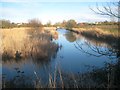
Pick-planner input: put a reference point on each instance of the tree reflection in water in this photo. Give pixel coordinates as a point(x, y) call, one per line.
point(36, 46)
point(107, 76)
point(18, 81)
point(40, 48)
point(93, 43)
point(70, 36)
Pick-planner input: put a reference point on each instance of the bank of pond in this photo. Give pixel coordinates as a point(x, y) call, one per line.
point(59, 59)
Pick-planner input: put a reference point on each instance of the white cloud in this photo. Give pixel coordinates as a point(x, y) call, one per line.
point(79, 17)
point(17, 15)
point(35, 10)
point(94, 18)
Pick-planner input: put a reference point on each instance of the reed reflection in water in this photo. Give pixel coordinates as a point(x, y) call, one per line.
point(26, 44)
point(35, 59)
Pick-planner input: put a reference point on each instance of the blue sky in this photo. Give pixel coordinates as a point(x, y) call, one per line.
point(22, 11)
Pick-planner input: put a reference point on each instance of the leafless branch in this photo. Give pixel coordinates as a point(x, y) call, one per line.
point(108, 10)
point(95, 51)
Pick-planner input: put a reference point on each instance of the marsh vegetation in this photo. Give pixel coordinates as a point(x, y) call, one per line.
point(36, 58)
point(64, 55)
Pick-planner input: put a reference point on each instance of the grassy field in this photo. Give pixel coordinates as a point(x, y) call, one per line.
point(99, 30)
point(19, 39)
point(15, 38)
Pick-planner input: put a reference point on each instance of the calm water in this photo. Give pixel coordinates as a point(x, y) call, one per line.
point(74, 53)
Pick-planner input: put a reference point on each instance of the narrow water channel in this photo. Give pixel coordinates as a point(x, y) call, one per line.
point(73, 53)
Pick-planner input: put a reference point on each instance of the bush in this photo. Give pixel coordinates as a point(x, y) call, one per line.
point(34, 23)
point(70, 24)
point(5, 24)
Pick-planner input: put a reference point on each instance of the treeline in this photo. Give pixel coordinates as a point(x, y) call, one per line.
point(73, 24)
point(8, 24)
point(30, 23)
point(65, 24)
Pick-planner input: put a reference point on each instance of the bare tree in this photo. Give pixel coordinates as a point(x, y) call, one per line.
point(35, 23)
point(95, 51)
point(112, 9)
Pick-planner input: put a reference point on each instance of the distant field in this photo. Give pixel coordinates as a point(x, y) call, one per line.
point(99, 29)
point(109, 28)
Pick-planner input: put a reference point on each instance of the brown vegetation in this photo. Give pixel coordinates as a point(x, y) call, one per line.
point(25, 42)
point(99, 31)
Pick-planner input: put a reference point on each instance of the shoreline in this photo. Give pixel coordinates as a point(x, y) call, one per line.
point(95, 33)
point(91, 32)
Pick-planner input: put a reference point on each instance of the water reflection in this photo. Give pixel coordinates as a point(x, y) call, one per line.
point(36, 45)
point(96, 50)
point(19, 80)
point(111, 43)
point(32, 59)
point(71, 37)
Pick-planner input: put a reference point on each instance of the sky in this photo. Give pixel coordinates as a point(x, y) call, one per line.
point(54, 11)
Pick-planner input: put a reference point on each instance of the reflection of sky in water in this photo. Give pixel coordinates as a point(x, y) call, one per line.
point(69, 58)
point(0, 75)
point(74, 60)
point(0, 64)
point(0, 68)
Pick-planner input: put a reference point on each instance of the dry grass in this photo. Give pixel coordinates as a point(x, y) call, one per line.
point(27, 41)
point(50, 28)
point(13, 38)
point(99, 31)
point(97, 78)
point(19, 39)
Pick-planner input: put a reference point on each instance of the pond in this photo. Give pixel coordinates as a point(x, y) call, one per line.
point(71, 52)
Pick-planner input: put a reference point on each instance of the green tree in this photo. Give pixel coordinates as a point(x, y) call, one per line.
point(48, 24)
point(58, 24)
point(64, 23)
point(5, 24)
point(70, 36)
point(70, 24)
